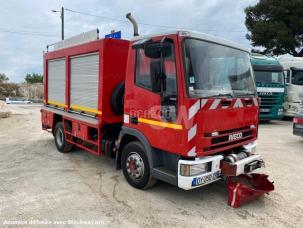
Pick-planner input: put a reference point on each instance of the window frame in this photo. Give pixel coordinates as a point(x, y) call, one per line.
point(287, 76)
point(184, 59)
point(136, 64)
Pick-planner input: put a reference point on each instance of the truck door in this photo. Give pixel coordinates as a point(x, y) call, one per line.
point(153, 97)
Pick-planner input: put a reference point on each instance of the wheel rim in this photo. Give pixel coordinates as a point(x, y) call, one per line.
point(135, 166)
point(59, 137)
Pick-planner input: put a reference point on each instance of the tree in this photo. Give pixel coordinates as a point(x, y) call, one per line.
point(34, 78)
point(9, 90)
point(277, 26)
point(3, 78)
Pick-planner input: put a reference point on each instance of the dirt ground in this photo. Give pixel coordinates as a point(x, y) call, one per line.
point(39, 185)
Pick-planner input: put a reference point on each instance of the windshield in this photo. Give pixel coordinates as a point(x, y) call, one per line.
point(297, 77)
point(269, 77)
point(216, 70)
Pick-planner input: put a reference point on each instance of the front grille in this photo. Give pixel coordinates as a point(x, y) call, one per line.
point(226, 137)
point(226, 144)
point(223, 138)
point(228, 131)
point(268, 101)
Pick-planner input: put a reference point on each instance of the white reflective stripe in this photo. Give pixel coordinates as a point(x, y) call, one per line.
point(126, 118)
point(192, 132)
point(203, 103)
point(238, 103)
point(270, 89)
point(215, 104)
point(192, 152)
point(255, 101)
point(194, 109)
point(234, 195)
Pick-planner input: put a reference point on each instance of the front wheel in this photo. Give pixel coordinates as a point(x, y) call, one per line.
point(135, 166)
point(62, 145)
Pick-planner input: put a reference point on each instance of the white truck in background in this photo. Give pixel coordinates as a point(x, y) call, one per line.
point(293, 71)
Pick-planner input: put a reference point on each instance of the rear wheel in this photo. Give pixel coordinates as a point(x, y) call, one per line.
point(136, 167)
point(60, 140)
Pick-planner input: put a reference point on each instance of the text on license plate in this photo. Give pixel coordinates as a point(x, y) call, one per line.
point(205, 179)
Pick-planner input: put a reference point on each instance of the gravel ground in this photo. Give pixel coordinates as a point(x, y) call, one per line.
point(40, 185)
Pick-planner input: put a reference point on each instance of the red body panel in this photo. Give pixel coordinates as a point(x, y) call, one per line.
point(47, 120)
point(298, 120)
point(113, 59)
point(231, 119)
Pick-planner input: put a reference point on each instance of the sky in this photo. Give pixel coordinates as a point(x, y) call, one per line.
point(26, 27)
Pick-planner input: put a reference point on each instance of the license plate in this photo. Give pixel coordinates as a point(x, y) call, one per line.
point(205, 179)
point(264, 110)
point(300, 126)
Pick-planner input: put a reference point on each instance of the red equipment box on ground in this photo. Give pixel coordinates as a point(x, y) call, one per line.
point(245, 188)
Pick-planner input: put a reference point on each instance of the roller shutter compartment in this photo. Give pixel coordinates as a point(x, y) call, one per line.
point(84, 83)
point(56, 82)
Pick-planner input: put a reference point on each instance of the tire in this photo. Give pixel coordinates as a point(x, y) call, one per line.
point(117, 99)
point(59, 136)
point(135, 166)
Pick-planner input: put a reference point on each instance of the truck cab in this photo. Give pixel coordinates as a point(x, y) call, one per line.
point(293, 71)
point(270, 86)
point(193, 99)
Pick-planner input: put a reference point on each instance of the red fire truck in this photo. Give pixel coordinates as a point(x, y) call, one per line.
point(179, 107)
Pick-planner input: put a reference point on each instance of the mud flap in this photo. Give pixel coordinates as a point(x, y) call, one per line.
point(247, 187)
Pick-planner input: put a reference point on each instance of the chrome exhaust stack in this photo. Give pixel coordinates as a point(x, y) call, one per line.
point(134, 23)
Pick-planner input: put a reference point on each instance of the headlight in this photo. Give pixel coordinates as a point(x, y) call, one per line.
point(251, 147)
point(193, 170)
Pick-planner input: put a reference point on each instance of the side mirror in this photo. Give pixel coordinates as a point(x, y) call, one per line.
point(155, 49)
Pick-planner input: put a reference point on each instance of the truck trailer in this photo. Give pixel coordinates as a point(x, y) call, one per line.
point(270, 86)
point(293, 71)
point(180, 106)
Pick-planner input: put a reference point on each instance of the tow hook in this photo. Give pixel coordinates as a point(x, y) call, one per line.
point(248, 168)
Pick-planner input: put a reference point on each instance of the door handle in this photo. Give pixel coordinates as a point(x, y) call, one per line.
point(134, 120)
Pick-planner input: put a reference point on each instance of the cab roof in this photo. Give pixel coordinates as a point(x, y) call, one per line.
point(195, 34)
point(258, 59)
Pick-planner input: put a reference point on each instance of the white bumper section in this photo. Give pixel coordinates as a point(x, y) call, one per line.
point(190, 182)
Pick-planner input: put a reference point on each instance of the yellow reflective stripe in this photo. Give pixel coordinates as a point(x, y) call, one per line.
point(56, 103)
point(160, 124)
point(85, 109)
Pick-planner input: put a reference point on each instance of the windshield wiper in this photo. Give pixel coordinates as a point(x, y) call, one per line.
point(245, 94)
point(223, 95)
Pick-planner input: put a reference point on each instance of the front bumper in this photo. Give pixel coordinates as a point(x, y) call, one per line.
point(190, 182)
point(219, 168)
point(275, 113)
point(292, 109)
point(297, 130)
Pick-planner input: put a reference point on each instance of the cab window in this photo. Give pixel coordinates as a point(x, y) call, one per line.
point(146, 66)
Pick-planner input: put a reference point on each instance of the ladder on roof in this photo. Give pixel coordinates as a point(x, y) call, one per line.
point(75, 40)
